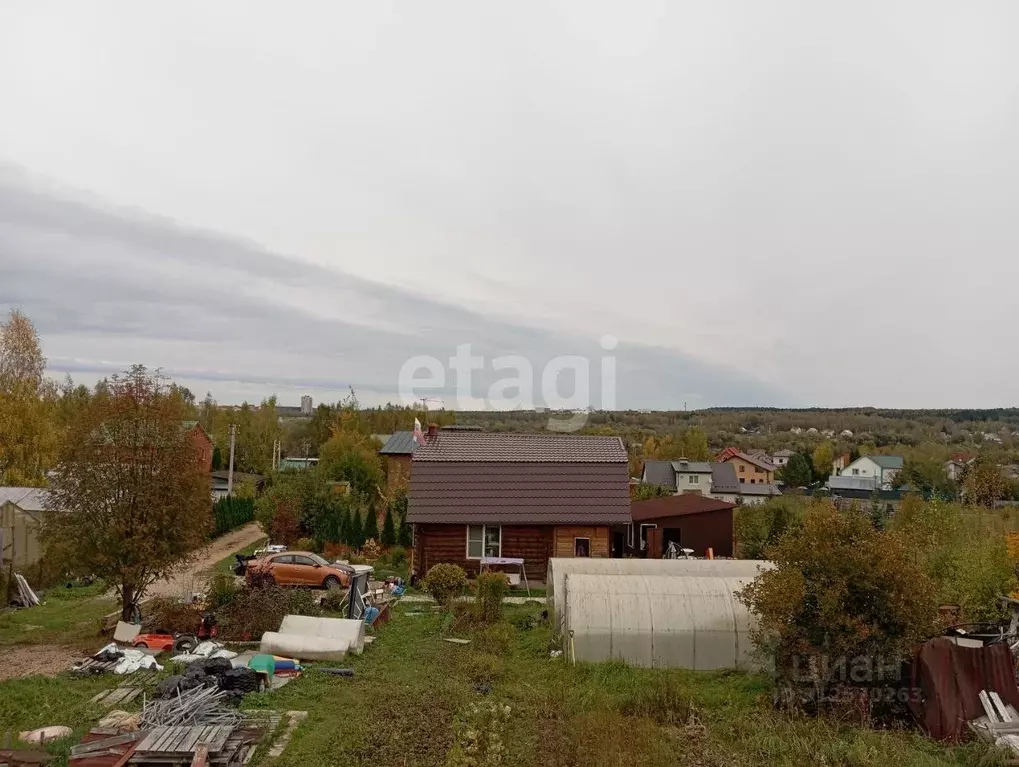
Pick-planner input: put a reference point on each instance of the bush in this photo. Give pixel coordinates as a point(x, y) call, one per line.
point(164, 614)
point(333, 599)
point(491, 590)
point(222, 590)
point(254, 611)
point(371, 550)
point(758, 527)
point(334, 551)
point(495, 639)
point(445, 582)
point(305, 544)
point(484, 668)
point(397, 556)
point(841, 591)
point(964, 551)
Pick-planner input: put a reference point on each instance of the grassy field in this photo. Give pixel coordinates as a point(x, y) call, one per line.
point(410, 704)
point(71, 616)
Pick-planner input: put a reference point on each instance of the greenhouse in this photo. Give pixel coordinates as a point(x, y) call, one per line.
point(559, 568)
point(658, 620)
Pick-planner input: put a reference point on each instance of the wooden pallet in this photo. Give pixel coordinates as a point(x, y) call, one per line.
point(117, 696)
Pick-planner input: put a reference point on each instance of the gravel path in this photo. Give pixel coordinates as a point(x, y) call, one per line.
point(221, 548)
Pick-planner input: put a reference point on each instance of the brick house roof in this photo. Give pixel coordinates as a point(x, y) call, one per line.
point(676, 506)
point(525, 479)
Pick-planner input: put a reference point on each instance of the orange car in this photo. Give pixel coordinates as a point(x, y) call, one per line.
point(297, 568)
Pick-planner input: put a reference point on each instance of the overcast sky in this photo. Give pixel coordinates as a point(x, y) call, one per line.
point(781, 203)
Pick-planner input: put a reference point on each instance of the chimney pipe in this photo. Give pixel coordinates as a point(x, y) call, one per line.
point(433, 429)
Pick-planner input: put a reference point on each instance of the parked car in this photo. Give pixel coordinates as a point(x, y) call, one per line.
point(297, 568)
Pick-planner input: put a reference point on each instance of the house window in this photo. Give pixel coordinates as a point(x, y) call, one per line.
point(742, 480)
point(484, 541)
point(581, 547)
point(742, 468)
point(757, 470)
point(753, 482)
point(694, 479)
point(856, 472)
point(643, 535)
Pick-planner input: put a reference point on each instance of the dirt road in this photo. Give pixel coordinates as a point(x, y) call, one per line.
point(194, 576)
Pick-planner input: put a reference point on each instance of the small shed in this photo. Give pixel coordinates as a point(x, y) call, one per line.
point(559, 568)
point(658, 621)
point(21, 511)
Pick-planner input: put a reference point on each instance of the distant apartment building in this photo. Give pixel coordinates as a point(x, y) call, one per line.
point(306, 405)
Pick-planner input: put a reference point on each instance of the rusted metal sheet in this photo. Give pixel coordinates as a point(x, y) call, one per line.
point(947, 680)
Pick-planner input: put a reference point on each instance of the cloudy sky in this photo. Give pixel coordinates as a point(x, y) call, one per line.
point(782, 203)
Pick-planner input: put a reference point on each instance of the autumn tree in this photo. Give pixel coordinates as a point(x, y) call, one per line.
point(926, 476)
point(133, 502)
point(28, 400)
point(824, 456)
point(983, 483)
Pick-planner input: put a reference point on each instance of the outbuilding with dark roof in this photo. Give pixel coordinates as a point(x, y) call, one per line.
point(690, 520)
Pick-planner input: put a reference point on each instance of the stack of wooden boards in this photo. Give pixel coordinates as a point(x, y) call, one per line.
point(183, 746)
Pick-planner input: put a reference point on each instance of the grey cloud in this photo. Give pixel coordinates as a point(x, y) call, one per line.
point(114, 283)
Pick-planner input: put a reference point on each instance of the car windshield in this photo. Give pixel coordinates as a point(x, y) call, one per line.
point(317, 559)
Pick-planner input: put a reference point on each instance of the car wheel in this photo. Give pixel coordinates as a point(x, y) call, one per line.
point(332, 582)
point(142, 646)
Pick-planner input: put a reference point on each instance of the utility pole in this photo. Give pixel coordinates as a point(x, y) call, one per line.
point(230, 472)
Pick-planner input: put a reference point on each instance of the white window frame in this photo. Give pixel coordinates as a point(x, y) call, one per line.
point(630, 535)
point(582, 538)
point(694, 480)
point(484, 535)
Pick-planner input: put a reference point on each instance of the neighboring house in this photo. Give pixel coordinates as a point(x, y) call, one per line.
point(692, 476)
point(689, 520)
point(658, 473)
point(840, 462)
point(757, 493)
point(221, 480)
point(22, 509)
point(397, 452)
point(530, 496)
point(752, 470)
point(956, 465)
point(781, 457)
point(882, 468)
point(297, 464)
point(202, 443)
point(725, 484)
point(726, 454)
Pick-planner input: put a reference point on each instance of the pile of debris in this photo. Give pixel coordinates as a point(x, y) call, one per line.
point(117, 742)
point(23, 594)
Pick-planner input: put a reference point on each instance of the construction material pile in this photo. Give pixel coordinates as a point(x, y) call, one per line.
point(194, 706)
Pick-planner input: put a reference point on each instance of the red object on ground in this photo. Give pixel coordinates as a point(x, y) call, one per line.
point(163, 642)
point(950, 679)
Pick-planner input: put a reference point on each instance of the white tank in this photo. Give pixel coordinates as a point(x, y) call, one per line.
point(302, 646)
point(658, 620)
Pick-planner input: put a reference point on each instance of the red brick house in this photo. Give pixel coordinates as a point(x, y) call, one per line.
point(690, 520)
point(531, 496)
point(202, 444)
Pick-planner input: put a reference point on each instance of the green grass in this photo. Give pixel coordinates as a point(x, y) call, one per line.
point(410, 698)
point(67, 616)
point(223, 565)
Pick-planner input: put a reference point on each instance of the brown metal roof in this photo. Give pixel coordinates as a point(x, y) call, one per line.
point(676, 506)
point(527, 479)
point(484, 446)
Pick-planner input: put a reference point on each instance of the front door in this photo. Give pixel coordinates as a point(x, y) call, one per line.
point(618, 544)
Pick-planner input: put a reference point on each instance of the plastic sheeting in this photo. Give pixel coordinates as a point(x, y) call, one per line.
point(559, 567)
point(658, 620)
